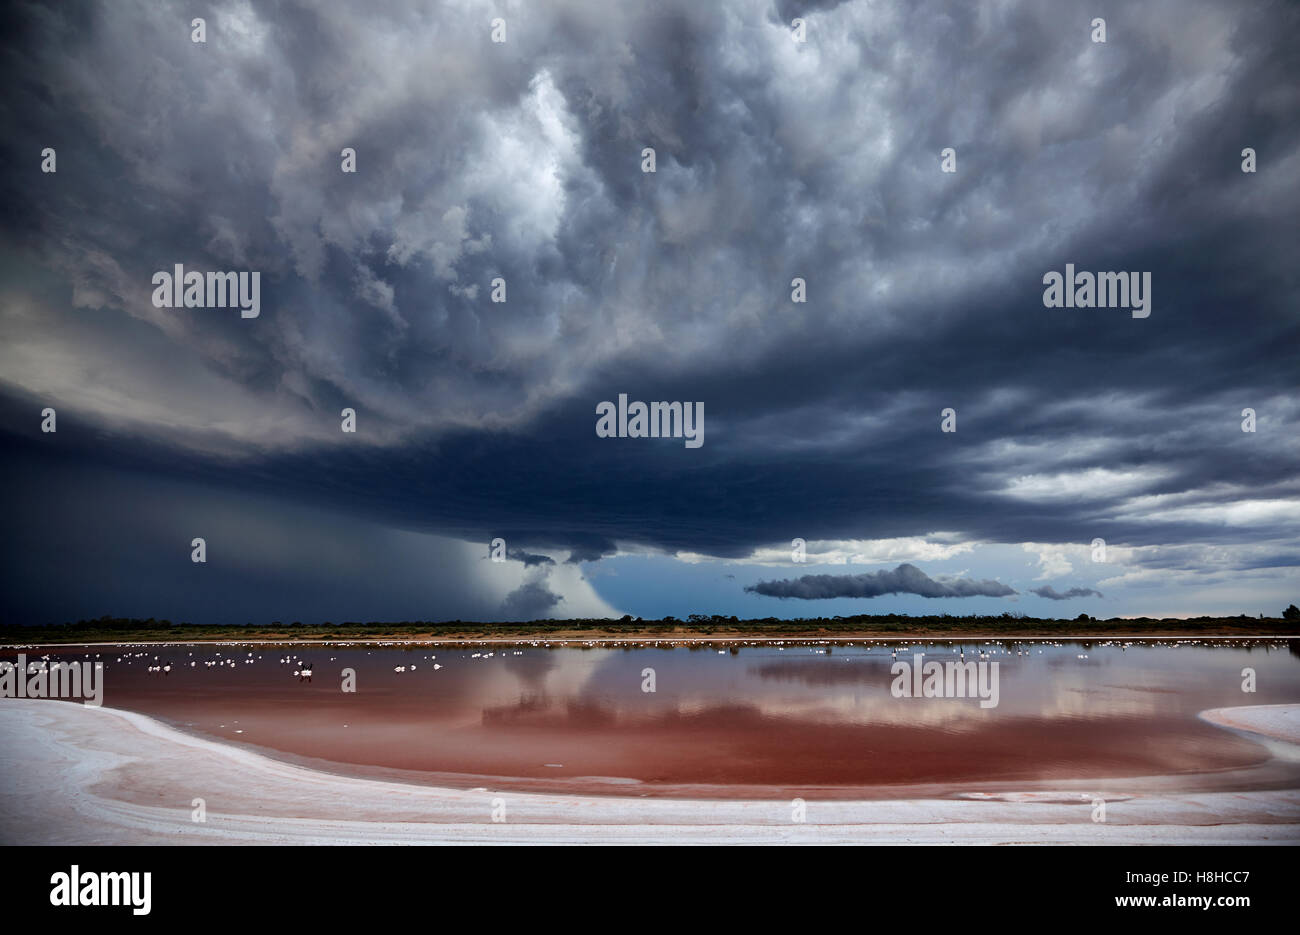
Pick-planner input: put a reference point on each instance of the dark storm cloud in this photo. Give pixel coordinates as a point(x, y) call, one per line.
point(1052, 594)
point(775, 160)
point(905, 579)
point(528, 558)
point(590, 550)
point(529, 601)
point(789, 9)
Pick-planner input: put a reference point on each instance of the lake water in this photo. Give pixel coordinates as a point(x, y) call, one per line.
point(726, 719)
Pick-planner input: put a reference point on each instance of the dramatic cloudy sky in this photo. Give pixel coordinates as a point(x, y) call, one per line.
point(775, 159)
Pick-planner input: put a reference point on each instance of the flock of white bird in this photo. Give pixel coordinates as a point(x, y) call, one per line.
point(303, 669)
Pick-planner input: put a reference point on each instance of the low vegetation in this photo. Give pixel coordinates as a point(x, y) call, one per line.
point(129, 629)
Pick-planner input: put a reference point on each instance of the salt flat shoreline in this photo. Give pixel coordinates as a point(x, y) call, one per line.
point(73, 775)
point(1274, 722)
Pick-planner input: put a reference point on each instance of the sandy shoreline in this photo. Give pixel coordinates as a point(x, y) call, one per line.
point(77, 775)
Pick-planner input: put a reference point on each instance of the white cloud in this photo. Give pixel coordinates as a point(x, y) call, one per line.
point(1088, 484)
point(849, 551)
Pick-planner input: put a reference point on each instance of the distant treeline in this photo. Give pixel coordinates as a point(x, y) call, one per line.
point(1006, 624)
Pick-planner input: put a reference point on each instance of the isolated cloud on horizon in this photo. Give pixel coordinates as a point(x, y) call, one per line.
point(1052, 594)
point(905, 579)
